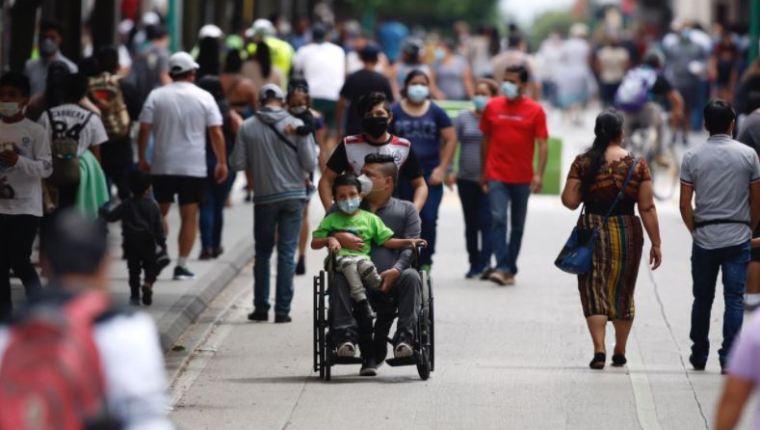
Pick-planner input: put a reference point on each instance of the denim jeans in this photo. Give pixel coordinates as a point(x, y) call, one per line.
point(509, 202)
point(284, 219)
point(428, 215)
point(211, 218)
point(733, 262)
point(477, 224)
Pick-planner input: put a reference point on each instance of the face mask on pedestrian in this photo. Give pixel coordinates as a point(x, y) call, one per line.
point(440, 54)
point(9, 109)
point(480, 102)
point(349, 206)
point(366, 183)
point(375, 126)
point(510, 90)
point(417, 93)
point(48, 47)
point(298, 110)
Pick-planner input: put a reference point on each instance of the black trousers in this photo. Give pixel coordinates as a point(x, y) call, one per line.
point(141, 257)
point(17, 233)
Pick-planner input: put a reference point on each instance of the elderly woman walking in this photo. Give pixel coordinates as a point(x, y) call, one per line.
point(596, 179)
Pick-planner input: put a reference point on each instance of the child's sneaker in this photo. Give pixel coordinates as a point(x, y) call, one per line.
point(134, 297)
point(364, 309)
point(147, 294)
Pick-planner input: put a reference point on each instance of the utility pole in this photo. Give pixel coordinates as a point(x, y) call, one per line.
point(754, 30)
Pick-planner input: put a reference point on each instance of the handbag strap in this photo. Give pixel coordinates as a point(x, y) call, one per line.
point(622, 190)
point(284, 139)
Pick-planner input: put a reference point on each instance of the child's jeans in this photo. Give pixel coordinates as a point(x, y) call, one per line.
point(359, 271)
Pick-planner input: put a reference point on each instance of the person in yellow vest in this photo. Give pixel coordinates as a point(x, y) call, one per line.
point(281, 51)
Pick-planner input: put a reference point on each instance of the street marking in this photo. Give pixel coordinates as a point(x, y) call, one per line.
point(646, 411)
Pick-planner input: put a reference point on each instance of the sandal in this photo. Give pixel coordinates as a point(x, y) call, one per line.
point(599, 361)
point(619, 360)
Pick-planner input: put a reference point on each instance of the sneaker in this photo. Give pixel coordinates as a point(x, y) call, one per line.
point(134, 300)
point(301, 266)
point(364, 310)
point(698, 365)
point(182, 274)
point(346, 349)
point(486, 274)
point(501, 278)
point(258, 316)
point(282, 318)
point(751, 307)
point(206, 254)
point(402, 350)
point(217, 252)
point(147, 294)
point(369, 367)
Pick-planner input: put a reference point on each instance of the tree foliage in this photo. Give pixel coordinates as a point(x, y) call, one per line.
point(429, 12)
point(549, 22)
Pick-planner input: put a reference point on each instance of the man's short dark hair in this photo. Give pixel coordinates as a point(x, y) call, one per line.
point(181, 76)
point(46, 26)
point(718, 116)
point(370, 53)
point(18, 81)
point(139, 182)
point(389, 167)
point(368, 102)
point(75, 245)
point(347, 179)
point(76, 88)
point(108, 59)
point(521, 71)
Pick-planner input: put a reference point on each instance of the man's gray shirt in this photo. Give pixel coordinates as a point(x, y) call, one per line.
point(721, 171)
point(401, 217)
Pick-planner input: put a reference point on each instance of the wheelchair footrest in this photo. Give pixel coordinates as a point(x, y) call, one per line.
point(346, 360)
point(405, 361)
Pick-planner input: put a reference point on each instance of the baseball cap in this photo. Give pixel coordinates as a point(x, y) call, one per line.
point(210, 30)
point(271, 91)
point(182, 62)
point(262, 27)
point(370, 52)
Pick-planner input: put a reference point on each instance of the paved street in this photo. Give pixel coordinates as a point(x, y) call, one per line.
point(507, 357)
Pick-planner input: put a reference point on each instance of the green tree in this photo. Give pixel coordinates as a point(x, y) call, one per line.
point(441, 13)
point(549, 22)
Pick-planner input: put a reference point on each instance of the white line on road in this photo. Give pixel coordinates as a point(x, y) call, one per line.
point(642, 392)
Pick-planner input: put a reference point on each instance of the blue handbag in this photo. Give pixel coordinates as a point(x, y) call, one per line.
point(577, 256)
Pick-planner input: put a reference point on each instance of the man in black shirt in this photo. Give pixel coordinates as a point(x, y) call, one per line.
point(358, 84)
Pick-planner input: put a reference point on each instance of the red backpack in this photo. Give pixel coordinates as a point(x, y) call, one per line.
point(51, 376)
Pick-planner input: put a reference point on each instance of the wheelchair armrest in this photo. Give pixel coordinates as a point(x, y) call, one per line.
point(416, 251)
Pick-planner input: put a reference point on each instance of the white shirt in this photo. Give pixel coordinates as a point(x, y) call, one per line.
point(20, 185)
point(72, 120)
point(133, 369)
point(323, 65)
point(180, 114)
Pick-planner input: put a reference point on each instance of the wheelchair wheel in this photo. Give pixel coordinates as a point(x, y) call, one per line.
point(424, 331)
point(321, 326)
point(431, 321)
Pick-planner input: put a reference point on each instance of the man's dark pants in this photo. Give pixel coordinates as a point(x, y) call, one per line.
point(404, 296)
point(17, 233)
point(733, 262)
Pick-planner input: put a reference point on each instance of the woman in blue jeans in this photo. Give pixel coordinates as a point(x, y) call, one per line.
point(429, 129)
point(477, 211)
point(211, 218)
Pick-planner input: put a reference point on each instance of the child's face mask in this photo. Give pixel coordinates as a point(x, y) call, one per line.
point(298, 110)
point(350, 205)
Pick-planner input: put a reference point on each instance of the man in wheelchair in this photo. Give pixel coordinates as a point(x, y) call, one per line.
point(400, 289)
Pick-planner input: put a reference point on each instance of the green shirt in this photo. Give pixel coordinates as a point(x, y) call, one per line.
point(364, 224)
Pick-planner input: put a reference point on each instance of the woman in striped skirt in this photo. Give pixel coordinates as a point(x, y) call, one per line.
point(595, 179)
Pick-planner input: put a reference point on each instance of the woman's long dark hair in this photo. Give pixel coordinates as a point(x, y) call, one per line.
point(209, 54)
point(609, 126)
point(264, 58)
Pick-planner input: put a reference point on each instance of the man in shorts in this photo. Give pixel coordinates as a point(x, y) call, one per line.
point(180, 114)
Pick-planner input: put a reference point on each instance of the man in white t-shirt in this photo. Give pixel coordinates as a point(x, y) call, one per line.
point(24, 160)
point(70, 120)
point(180, 115)
point(323, 65)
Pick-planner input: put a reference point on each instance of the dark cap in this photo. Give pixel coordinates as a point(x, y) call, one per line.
point(74, 244)
point(370, 53)
point(318, 32)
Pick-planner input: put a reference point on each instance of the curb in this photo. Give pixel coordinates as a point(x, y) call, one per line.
point(189, 307)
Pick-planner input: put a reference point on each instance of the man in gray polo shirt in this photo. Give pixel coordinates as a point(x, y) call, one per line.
point(723, 177)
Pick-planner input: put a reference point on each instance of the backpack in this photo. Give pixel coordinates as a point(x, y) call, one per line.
point(105, 91)
point(633, 92)
point(64, 148)
point(51, 376)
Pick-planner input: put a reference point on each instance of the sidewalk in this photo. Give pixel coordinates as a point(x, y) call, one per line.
point(177, 304)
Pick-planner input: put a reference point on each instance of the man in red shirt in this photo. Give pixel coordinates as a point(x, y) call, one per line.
point(513, 126)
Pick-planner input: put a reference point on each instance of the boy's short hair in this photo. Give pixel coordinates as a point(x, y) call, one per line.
point(718, 116)
point(344, 180)
point(368, 102)
point(18, 81)
point(139, 182)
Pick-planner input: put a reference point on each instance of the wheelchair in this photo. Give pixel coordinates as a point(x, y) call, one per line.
point(325, 348)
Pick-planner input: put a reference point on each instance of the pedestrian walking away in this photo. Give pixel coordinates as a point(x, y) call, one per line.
point(348, 157)
point(610, 183)
point(743, 379)
point(24, 160)
point(280, 164)
point(113, 378)
point(143, 238)
point(722, 176)
point(513, 127)
point(433, 138)
point(750, 135)
point(477, 210)
point(180, 115)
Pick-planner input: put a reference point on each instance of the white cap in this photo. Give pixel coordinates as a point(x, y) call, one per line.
point(182, 62)
point(151, 18)
point(262, 27)
point(210, 30)
point(271, 91)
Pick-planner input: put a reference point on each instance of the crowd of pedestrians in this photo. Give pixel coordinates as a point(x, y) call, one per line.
point(367, 116)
